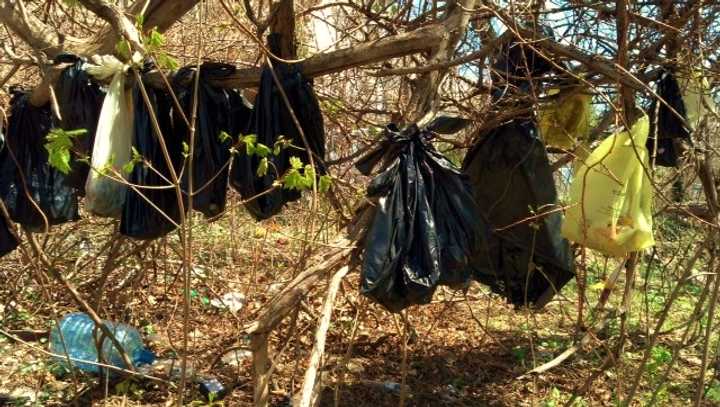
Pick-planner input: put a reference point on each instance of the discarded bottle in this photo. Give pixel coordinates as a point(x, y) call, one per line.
point(211, 388)
point(79, 342)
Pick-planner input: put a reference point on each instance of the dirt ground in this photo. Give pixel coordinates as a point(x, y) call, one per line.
point(464, 349)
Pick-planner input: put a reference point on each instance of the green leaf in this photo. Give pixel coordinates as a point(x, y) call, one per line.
point(186, 149)
point(324, 184)
point(139, 21)
point(293, 180)
point(262, 150)
point(249, 141)
point(155, 40)
point(165, 61)
point(136, 159)
point(309, 175)
point(58, 145)
point(224, 136)
point(262, 167)
point(123, 49)
point(128, 167)
point(296, 163)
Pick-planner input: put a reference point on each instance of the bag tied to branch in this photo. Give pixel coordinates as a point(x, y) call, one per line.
point(610, 208)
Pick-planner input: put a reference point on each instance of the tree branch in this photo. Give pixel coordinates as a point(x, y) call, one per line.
point(115, 16)
point(34, 32)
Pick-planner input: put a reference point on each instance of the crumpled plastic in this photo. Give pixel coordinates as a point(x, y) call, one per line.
point(79, 99)
point(425, 228)
point(150, 213)
point(218, 110)
point(270, 120)
point(104, 196)
point(29, 185)
point(565, 120)
point(526, 259)
point(611, 196)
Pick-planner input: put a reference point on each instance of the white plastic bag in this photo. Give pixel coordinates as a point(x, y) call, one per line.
point(104, 193)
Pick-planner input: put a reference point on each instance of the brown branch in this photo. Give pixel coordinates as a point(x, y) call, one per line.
point(115, 16)
point(480, 54)
point(424, 101)
point(34, 32)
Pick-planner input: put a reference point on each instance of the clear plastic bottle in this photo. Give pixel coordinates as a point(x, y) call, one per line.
point(79, 339)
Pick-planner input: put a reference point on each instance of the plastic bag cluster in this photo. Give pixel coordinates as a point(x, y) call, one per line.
point(271, 119)
point(35, 193)
point(526, 260)
point(610, 208)
point(219, 111)
point(425, 228)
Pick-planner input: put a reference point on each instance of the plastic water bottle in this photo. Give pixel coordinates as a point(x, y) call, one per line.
point(79, 338)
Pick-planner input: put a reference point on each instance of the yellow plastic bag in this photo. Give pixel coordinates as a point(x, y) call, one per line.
point(697, 99)
point(611, 196)
point(566, 120)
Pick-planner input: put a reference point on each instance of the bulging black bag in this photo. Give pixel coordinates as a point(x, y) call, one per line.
point(668, 128)
point(216, 113)
point(513, 186)
point(28, 183)
point(270, 120)
point(79, 100)
point(425, 228)
point(140, 219)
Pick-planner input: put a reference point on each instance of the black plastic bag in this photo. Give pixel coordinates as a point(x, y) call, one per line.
point(140, 219)
point(516, 63)
point(668, 129)
point(217, 109)
point(8, 239)
point(425, 228)
point(28, 184)
point(79, 100)
point(514, 188)
point(272, 119)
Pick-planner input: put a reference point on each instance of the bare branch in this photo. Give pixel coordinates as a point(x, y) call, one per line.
point(34, 32)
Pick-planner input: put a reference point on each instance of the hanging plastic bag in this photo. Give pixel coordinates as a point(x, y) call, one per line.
point(668, 123)
point(9, 240)
point(104, 193)
point(80, 99)
point(216, 111)
point(611, 196)
point(270, 120)
point(425, 228)
point(517, 63)
point(697, 98)
point(690, 99)
point(526, 260)
point(31, 188)
point(565, 120)
point(155, 213)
